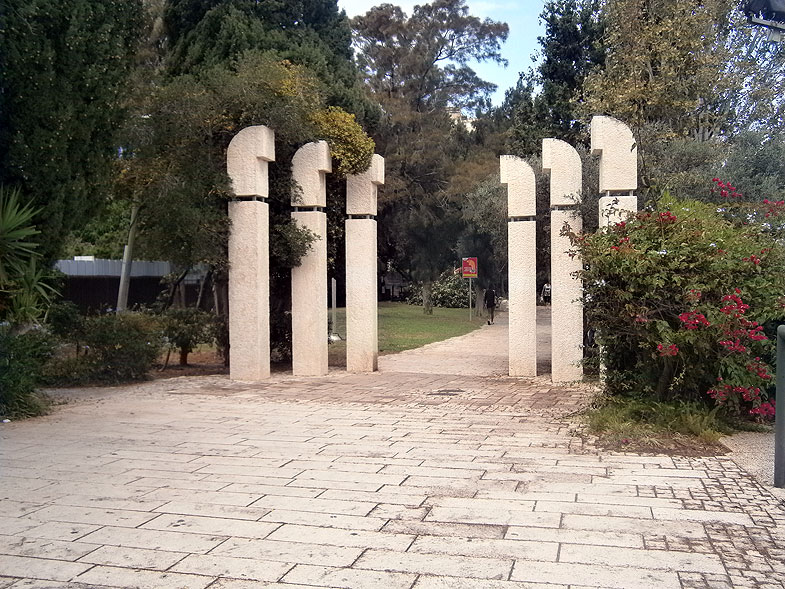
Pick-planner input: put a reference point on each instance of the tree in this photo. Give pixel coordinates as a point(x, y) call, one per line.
point(312, 33)
point(714, 76)
point(681, 73)
point(484, 213)
point(64, 68)
point(208, 88)
point(422, 60)
point(571, 48)
point(416, 68)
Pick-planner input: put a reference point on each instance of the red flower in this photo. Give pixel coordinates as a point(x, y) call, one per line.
point(693, 320)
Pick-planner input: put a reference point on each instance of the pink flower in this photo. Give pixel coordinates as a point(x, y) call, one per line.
point(671, 350)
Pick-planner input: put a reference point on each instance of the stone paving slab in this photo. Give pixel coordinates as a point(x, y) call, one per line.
point(410, 480)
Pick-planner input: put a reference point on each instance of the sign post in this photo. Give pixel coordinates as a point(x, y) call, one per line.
point(469, 270)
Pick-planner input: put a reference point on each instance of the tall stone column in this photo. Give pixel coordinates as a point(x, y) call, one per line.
point(309, 279)
point(563, 163)
point(249, 253)
point(522, 265)
point(362, 335)
point(613, 141)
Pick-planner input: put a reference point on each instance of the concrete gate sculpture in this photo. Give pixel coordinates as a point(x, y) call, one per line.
point(248, 156)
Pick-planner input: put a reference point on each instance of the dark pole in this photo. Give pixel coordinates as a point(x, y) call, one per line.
point(779, 419)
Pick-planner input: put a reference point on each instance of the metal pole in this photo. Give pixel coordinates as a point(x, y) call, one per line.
point(779, 418)
point(470, 299)
point(334, 297)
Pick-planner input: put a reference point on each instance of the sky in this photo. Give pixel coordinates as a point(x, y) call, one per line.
point(521, 15)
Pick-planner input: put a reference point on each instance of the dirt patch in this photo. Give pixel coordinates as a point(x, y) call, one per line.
point(200, 363)
point(668, 444)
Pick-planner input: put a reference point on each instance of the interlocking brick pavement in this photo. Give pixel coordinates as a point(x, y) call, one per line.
point(437, 479)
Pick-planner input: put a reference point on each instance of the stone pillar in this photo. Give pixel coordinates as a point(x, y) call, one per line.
point(362, 285)
point(522, 265)
point(618, 151)
point(309, 279)
point(249, 261)
point(563, 163)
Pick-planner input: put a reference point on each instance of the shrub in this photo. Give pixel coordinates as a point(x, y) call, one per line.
point(21, 361)
point(122, 347)
point(678, 295)
point(349, 144)
point(117, 348)
point(66, 323)
point(448, 291)
point(186, 328)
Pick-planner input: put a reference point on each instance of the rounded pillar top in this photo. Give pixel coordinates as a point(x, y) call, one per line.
point(361, 189)
point(246, 160)
point(521, 186)
point(309, 165)
point(562, 161)
point(614, 142)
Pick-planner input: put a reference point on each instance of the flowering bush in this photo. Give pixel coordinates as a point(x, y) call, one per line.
point(449, 291)
point(678, 296)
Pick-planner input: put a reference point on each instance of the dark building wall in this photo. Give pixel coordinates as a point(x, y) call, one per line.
point(97, 293)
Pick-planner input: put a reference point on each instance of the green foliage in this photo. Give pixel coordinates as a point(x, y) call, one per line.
point(422, 60)
point(685, 70)
point(117, 348)
point(628, 420)
point(571, 48)
point(16, 229)
point(678, 295)
point(310, 33)
point(31, 295)
point(542, 103)
point(25, 289)
point(449, 291)
point(186, 328)
point(64, 66)
point(417, 68)
point(349, 144)
point(122, 347)
point(21, 360)
point(66, 322)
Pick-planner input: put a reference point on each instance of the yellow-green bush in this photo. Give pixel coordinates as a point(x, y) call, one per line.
point(349, 144)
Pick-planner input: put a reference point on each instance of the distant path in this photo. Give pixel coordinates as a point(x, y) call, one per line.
point(482, 352)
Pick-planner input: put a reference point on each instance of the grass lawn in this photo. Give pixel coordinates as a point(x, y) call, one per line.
point(403, 327)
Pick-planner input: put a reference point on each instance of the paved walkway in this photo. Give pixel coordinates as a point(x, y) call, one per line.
point(413, 478)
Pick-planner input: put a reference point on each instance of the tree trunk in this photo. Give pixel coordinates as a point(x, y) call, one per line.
point(221, 304)
point(427, 298)
point(666, 378)
point(128, 256)
point(183, 357)
point(203, 288)
point(479, 301)
point(173, 288)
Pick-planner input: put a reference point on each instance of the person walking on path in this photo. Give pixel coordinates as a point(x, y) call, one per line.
point(490, 302)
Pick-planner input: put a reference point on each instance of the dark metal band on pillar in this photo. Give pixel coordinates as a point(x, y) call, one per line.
point(524, 218)
point(249, 198)
point(309, 209)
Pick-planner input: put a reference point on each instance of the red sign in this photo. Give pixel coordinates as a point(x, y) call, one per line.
point(469, 267)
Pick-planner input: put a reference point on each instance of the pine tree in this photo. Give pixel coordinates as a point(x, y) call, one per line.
point(63, 69)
